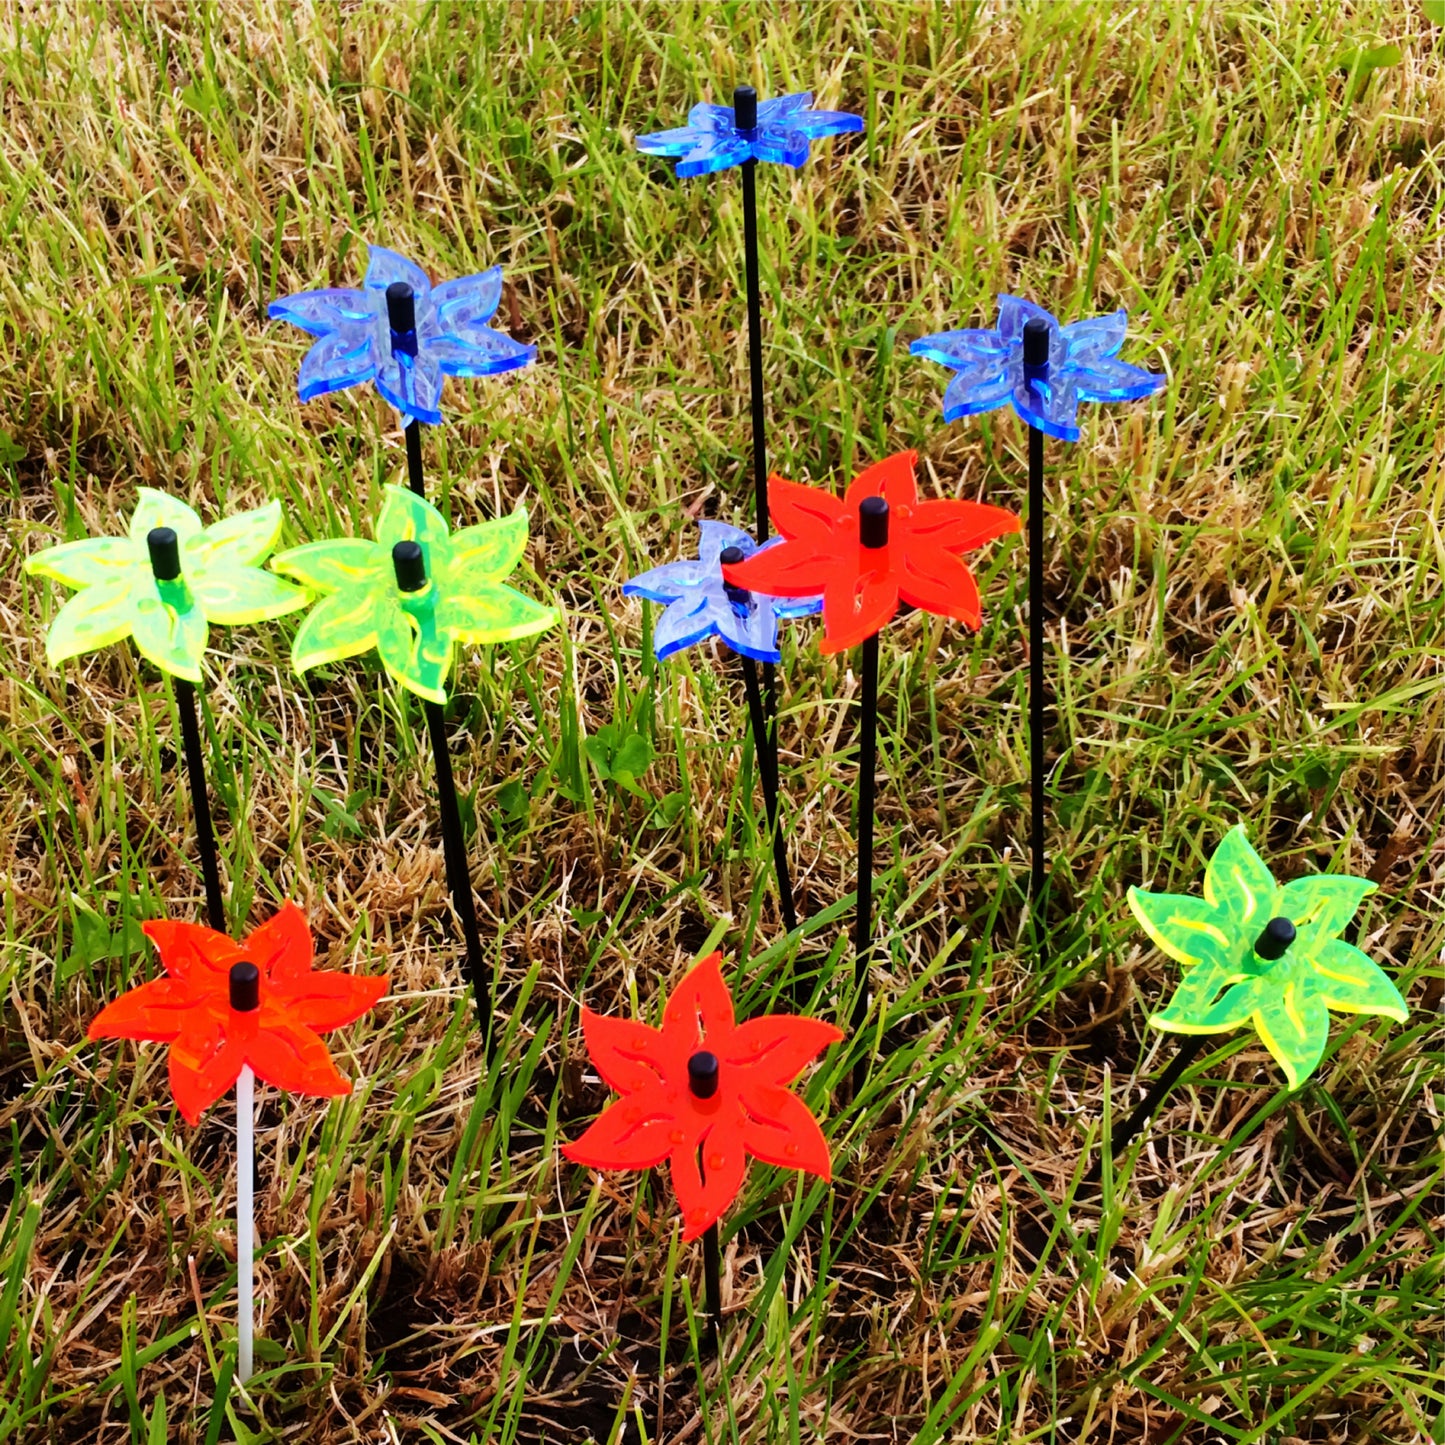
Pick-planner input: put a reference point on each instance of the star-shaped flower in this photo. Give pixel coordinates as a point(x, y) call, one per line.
point(703, 1093)
point(1082, 366)
point(191, 1010)
point(462, 597)
point(220, 581)
point(712, 140)
point(356, 345)
point(1256, 951)
point(701, 605)
point(919, 562)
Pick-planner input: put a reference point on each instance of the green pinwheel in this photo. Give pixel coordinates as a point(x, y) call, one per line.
point(456, 593)
point(1254, 951)
point(119, 595)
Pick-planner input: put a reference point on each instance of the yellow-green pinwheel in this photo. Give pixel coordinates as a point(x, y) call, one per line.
point(413, 593)
point(1258, 952)
point(220, 580)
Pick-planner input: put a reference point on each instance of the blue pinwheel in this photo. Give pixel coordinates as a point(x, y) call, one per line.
point(712, 140)
point(701, 605)
point(357, 345)
point(1082, 365)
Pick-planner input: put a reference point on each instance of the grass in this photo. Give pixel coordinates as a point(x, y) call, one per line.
point(1249, 622)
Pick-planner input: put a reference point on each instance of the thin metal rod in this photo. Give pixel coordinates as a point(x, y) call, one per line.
point(755, 345)
point(867, 768)
point(200, 802)
point(413, 457)
point(768, 771)
point(712, 1286)
point(1190, 1050)
point(459, 873)
point(1038, 875)
point(245, 1221)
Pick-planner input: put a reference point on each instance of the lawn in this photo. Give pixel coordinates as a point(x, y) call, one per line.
point(1246, 622)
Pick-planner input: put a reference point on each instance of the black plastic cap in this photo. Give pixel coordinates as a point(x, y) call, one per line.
point(1278, 934)
point(165, 550)
point(1036, 344)
point(401, 306)
point(702, 1070)
point(410, 565)
point(731, 556)
point(873, 522)
point(245, 987)
point(745, 108)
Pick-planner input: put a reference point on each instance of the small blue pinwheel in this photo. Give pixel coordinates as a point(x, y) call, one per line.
point(357, 344)
point(1082, 366)
point(712, 140)
point(701, 605)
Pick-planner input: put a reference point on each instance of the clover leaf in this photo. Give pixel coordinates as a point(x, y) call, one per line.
point(1255, 951)
point(119, 595)
point(463, 598)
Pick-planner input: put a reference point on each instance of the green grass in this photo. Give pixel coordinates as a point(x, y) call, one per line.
point(1249, 623)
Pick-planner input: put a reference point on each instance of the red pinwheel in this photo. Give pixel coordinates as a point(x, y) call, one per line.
point(702, 1093)
point(865, 557)
point(274, 1029)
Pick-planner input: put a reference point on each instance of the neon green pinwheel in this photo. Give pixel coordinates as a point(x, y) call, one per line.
point(220, 580)
point(1254, 951)
point(457, 593)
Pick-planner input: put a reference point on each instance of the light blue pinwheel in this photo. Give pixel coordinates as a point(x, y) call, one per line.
point(701, 605)
point(713, 141)
point(1083, 365)
point(356, 343)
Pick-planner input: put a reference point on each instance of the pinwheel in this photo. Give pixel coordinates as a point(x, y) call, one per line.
point(1258, 952)
point(1044, 370)
point(162, 586)
point(716, 138)
point(231, 1013)
point(876, 546)
point(700, 604)
point(413, 594)
point(702, 1094)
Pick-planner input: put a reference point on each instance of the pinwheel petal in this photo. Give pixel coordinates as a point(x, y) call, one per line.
point(405, 656)
point(1349, 980)
point(488, 551)
point(708, 1179)
point(794, 568)
point(714, 153)
point(780, 107)
point(685, 623)
point(1321, 905)
point(1091, 340)
point(192, 952)
point(714, 539)
point(493, 613)
point(203, 1065)
point(95, 617)
point(1110, 380)
point(637, 1131)
point(700, 1010)
point(385, 267)
point(713, 119)
point(803, 512)
point(339, 360)
point(819, 123)
point(320, 312)
point(780, 1130)
point(669, 142)
point(1014, 313)
point(234, 596)
point(173, 637)
point(282, 947)
point(1238, 883)
point(154, 1012)
point(244, 539)
point(629, 1056)
point(856, 607)
point(335, 565)
point(959, 526)
point(750, 631)
point(666, 583)
point(1051, 405)
point(776, 1048)
point(159, 509)
point(93, 561)
point(326, 1001)
point(288, 1055)
point(479, 351)
point(1294, 1026)
point(940, 583)
point(971, 393)
point(1188, 930)
point(970, 347)
point(406, 517)
point(339, 626)
point(413, 385)
point(466, 301)
point(895, 479)
point(785, 144)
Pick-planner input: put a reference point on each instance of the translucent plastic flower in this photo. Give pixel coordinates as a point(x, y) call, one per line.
point(921, 562)
point(464, 598)
point(221, 581)
point(1083, 365)
point(701, 605)
point(356, 339)
point(1254, 951)
point(191, 1010)
point(712, 141)
point(703, 1093)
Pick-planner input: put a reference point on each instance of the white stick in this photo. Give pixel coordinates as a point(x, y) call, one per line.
point(245, 1219)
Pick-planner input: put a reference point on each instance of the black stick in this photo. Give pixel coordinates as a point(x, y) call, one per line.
point(165, 554)
point(703, 1069)
point(1141, 1116)
point(1036, 364)
point(745, 117)
point(401, 315)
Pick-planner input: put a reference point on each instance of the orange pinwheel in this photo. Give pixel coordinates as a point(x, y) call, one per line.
point(863, 571)
point(704, 1092)
point(275, 1031)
